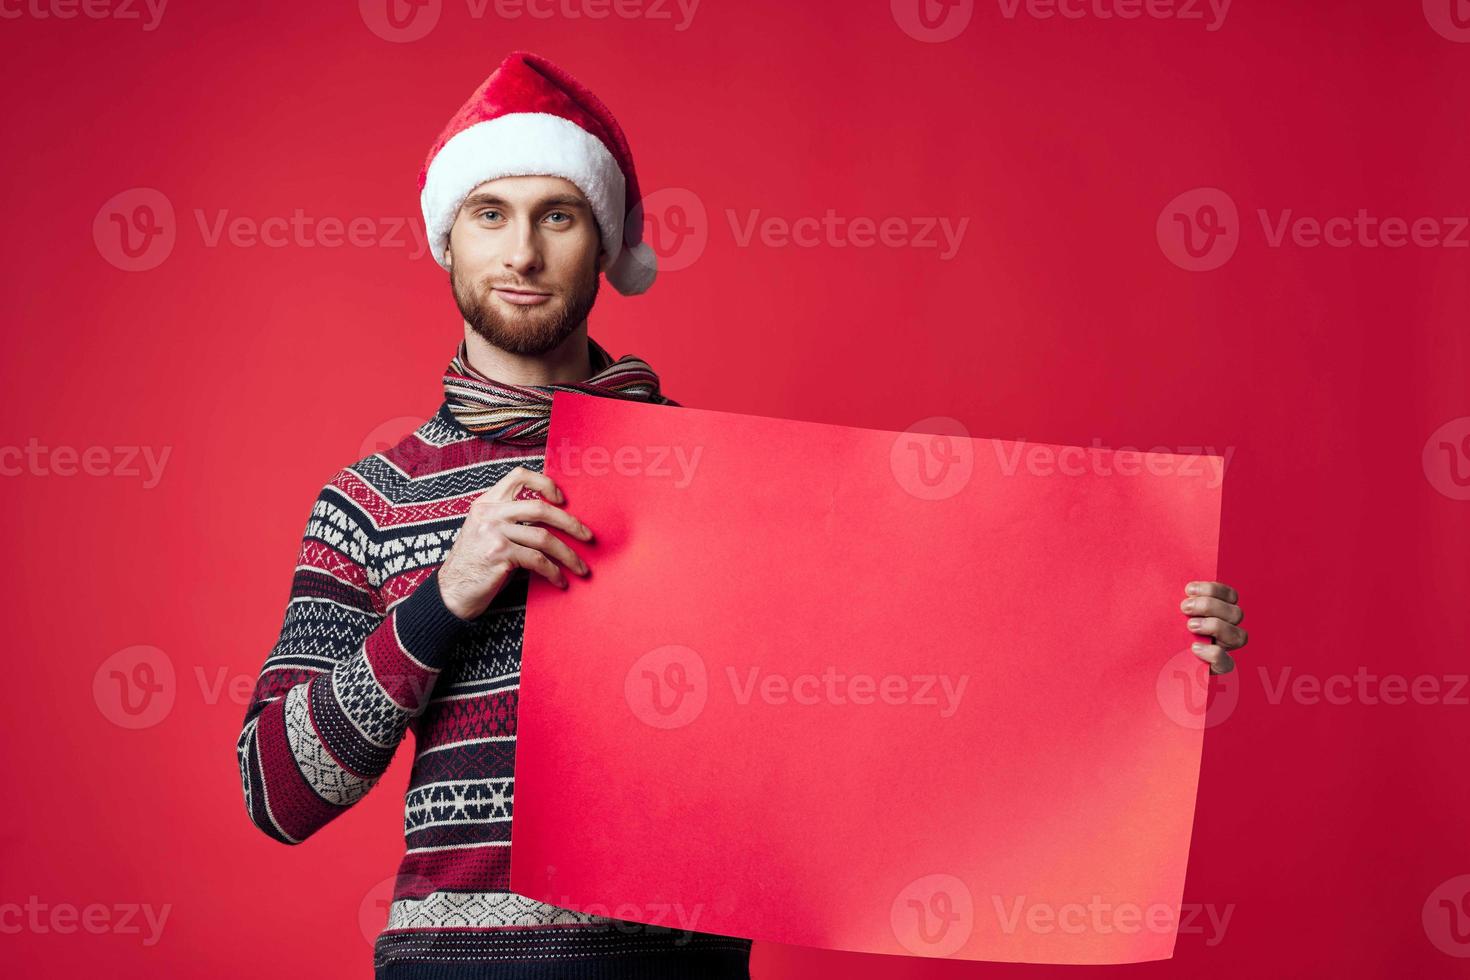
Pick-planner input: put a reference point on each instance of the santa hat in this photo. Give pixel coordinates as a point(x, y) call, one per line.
point(531, 117)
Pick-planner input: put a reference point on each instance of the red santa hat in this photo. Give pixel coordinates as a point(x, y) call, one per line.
point(531, 117)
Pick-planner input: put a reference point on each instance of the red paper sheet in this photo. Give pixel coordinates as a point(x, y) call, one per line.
point(889, 692)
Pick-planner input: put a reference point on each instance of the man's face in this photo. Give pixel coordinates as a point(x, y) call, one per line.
point(535, 235)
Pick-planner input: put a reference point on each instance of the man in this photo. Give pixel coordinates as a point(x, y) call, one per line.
point(408, 600)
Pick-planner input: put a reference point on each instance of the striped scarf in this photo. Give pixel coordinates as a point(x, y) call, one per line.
point(521, 414)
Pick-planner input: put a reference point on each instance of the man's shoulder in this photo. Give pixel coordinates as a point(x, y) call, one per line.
point(405, 446)
point(395, 450)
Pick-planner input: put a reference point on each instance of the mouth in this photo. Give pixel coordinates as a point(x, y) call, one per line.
point(521, 297)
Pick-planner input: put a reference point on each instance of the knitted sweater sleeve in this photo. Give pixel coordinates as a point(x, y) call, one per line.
point(342, 682)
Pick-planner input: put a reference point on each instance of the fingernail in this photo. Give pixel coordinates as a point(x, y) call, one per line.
point(1194, 624)
point(1191, 589)
point(1187, 605)
point(1197, 647)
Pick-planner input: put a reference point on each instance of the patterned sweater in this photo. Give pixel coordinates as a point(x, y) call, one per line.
point(368, 651)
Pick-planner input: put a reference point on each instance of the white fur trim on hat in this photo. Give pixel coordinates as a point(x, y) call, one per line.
point(526, 143)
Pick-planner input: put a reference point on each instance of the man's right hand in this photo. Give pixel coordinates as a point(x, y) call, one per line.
point(499, 537)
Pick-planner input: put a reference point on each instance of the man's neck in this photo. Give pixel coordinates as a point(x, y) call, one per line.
point(570, 361)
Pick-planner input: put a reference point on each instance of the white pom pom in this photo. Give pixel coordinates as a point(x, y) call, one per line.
point(634, 270)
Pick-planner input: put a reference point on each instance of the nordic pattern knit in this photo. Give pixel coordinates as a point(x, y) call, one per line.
point(368, 651)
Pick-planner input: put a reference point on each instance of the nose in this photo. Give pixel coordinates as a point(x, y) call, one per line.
point(524, 257)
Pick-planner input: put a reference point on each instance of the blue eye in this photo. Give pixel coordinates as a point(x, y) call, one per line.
point(562, 213)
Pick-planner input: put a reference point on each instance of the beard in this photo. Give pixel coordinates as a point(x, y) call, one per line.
point(526, 330)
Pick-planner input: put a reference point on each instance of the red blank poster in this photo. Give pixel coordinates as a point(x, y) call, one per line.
point(903, 693)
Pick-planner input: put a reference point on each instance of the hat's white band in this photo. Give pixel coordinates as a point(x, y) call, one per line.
point(523, 143)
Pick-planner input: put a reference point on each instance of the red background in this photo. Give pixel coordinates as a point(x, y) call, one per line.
point(1322, 827)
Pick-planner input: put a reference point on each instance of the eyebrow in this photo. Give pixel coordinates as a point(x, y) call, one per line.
point(556, 200)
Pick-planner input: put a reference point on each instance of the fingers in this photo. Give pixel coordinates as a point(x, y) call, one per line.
point(522, 511)
point(521, 476)
point(536, 561)
point(1227, 635)
point(513, 512)
point(1220, 662)
point(1218, 608)
point(547, 546)
point(1215, 612)
point(1218, 590)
